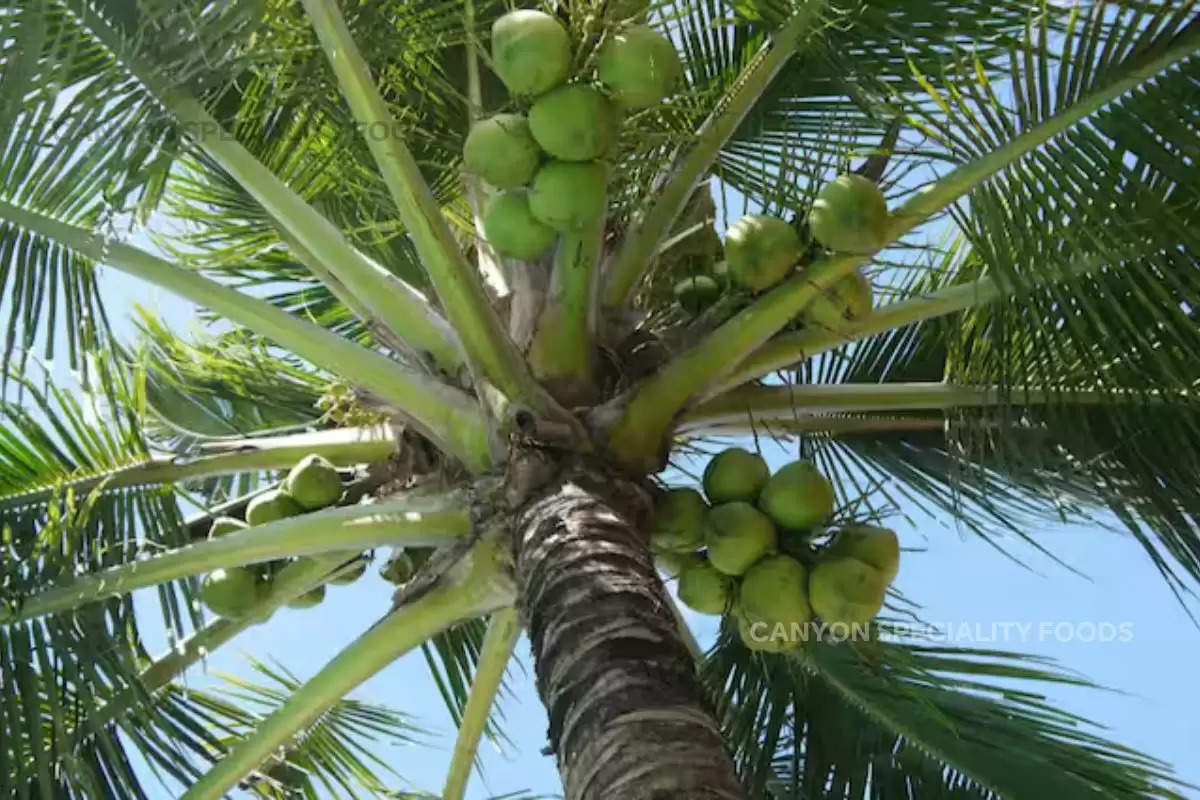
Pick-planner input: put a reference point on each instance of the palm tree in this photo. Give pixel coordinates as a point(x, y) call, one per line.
point(295, 170)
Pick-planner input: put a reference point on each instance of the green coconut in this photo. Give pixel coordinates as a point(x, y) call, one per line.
point(270, 506)
point(511, 228)
point(705, 589)
point(501, 150)
point(797, 497)
point(878, 547)
point(398, 569)
point(775, 590)
point(351, 574)
point(678, 520)
point(849, 215)
point(531, 51)
point(308, 599)
point(849, 299)
point(735, 474)
point(566, 195)
point(760, 251)
point(696, 293)
point(314, 483)
point(672, 563)
point(638, 65)
point(761, 635)
point(230, 592)
point(737, 535)
point(574, 123)
point(222, 526)
point(846, 590)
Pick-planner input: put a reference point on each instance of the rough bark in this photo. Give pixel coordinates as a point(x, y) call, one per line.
point(627, 719)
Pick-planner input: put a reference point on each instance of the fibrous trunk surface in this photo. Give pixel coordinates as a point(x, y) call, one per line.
point(627, 719)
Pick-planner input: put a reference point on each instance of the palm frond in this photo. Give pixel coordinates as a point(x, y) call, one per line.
point(887, 719)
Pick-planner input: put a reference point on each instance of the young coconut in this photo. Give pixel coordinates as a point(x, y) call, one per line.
point(737, 535)
point(309, 599)
point(849, 215)
point(531, 51)
point(230, 592)
point(638, 65)
point(760, 635)
point(566, 195)
point(351, 574)
point(705, 589)
point(574, 123)
point(797, 497)
point(270, 506)
point(775, 590)
point(696, 293)
point(223, 526)
point(760, 251)
point(878, 547)
point(846, 590)
point(511, 228)
point(849, 299)
point(398, 569)
point(672, 563)
point(314, 483)
point(678, 520)
point(735, 474)
point(502, 151)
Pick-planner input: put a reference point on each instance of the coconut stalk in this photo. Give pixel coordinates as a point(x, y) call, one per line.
point(342, 446)
point(644, 416)
point(446, 415)
point(422, 521)
point(563, 349)
point(477, 584)
point(504, 629)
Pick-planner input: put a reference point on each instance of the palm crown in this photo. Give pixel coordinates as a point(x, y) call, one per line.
point(296, 170)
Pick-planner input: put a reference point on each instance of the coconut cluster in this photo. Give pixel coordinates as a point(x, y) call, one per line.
point(312, 484)
point(548, 163)
point(849, 215)
point(742, 549)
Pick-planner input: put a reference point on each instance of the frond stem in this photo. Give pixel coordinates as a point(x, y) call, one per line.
point(504, 629)
point(421, 521)
point(448, 416)
point(342, 446)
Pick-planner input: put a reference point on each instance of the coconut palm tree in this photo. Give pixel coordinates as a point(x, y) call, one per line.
point(295, 171)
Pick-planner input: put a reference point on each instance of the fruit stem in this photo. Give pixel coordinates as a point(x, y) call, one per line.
point(342, 446)
point(646, 413)
point(425, 521)
point(785, 403)
point(491, 266)
point(476, 585)
point(692, 160)
point(286, 587)
point(459, 288)
point(504, 629)
point(562, 352)
point(446, 415)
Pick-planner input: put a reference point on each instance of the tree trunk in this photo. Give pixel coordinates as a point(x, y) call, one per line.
point(627, 719)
